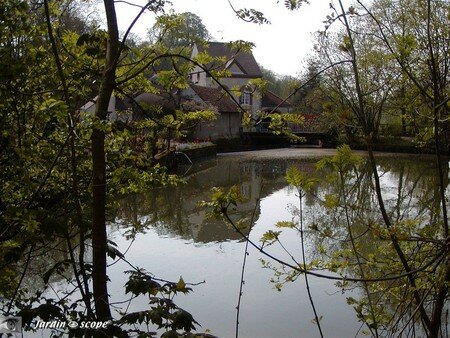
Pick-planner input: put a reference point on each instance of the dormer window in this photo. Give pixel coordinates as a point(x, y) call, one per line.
point(246, 97)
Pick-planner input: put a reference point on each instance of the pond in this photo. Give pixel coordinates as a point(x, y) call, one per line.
point(172, 236)
point(169, 235)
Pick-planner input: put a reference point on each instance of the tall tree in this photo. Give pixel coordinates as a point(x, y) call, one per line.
point(431, 86)
point(365, 59)
point(99, 237)
point(179, 30)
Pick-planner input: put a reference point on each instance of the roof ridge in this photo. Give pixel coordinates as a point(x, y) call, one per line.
point(234, 60)
point(271, 92)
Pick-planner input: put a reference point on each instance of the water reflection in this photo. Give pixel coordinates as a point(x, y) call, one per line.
point(410, 192)
point(173, 237)
point(175, 210)
point(409, 189)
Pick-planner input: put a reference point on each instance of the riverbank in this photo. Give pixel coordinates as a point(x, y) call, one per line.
point(304, 153)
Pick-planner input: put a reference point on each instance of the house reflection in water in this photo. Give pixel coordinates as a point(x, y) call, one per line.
point(175, 211)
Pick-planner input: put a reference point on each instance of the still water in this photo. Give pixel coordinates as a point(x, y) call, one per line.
point(166, 233)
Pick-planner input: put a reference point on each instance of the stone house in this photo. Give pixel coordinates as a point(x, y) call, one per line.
point(242, 68)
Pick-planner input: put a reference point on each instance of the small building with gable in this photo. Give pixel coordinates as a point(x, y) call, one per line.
point(241, 67)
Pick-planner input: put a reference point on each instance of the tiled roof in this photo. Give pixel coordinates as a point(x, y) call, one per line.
point(270, 99)
point(151, 100)
point(216, 97)
point(155, 100)
point(246, 61)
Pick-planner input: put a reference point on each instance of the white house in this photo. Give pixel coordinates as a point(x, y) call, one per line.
point(242, 68)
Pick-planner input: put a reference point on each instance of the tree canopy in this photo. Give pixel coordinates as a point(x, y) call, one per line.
point(189, 29)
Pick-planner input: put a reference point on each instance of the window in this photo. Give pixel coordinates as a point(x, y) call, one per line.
point(246, 97)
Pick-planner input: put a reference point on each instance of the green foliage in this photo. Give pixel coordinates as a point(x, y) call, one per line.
point(252, 15)
point(203, 58)
point(270, 237)
point(241, 46)
point(178, 30)
point(281, 85)
point(285, 224)
point(163, 312)
point(171, 78)
point(299, 180)
point(128, 180)
point(345, 234)
point(247, 121)
point(293, 4)
point(276, 123)
point(405, 45)
point(343, 161)
point(259, 84)
point(221, 200)
point(46, 167)
point(141, 284)
point(45, 153)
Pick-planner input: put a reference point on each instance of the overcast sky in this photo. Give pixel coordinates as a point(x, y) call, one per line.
point(281, 46)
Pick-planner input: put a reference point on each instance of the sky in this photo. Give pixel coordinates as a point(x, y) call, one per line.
point(281, 46)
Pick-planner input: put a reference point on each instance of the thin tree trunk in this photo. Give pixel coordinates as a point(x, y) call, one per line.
point(99, 238)
point(71, 120)
point(441, 296)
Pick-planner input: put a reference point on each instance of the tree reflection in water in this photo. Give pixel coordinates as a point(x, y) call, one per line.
point(411, 195)
point(176, 211)
point(409, 188)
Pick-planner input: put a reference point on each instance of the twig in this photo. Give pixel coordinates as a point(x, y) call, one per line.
point(321, 275)
point(20, 280)
point(357, 256)
point(311, 301)
point(242, 282)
